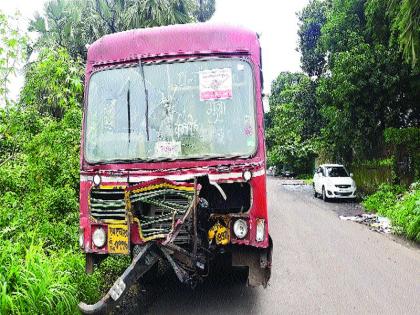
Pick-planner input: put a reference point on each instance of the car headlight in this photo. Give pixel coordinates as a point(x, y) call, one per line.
point(240, 228)
point(99, 237)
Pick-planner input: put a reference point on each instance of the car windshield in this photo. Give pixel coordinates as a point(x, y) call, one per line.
point(194, 109)
point(337, 171)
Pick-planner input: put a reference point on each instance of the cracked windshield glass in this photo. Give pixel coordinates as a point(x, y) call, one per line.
point(195, 109)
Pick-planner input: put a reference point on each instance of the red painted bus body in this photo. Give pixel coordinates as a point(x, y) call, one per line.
point(169, 155)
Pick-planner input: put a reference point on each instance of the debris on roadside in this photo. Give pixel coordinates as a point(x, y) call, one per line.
point(376, 223)
point(292, 182)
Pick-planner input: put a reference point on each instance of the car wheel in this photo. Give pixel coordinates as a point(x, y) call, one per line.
point(324, 194)
point(315, 193)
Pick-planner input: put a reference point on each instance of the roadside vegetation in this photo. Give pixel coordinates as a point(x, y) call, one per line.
point(41, 266)
point(400, 205)
point(356, 101)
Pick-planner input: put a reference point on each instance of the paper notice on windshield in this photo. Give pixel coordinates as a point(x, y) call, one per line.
point(167, 149)
point(215, 84)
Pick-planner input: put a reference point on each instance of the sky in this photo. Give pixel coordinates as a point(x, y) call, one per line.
point(274, 20)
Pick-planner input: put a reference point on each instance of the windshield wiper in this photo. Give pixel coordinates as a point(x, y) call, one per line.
point(128, 112)
point(146, 95)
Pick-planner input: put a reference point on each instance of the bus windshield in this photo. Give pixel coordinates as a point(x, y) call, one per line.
point(171, 110)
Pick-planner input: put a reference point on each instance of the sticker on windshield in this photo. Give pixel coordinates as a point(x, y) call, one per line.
point(215, 84)
point(167, 149)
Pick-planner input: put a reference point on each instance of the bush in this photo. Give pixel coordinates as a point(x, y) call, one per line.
point(41, 267)
point(403, 208)
point(383, 199)
point(369, 175)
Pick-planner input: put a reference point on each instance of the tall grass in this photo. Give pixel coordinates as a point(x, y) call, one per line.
point(33, 280)
point(368, 178)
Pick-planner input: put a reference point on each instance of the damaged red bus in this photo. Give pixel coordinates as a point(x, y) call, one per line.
point(173, 154)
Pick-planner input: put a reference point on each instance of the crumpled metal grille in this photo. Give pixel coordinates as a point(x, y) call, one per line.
point(166, 206)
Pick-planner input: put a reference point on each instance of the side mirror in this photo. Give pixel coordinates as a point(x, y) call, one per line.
point(266, 105)
point(351, 174)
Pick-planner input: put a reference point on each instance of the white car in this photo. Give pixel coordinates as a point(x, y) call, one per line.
point(333, 181)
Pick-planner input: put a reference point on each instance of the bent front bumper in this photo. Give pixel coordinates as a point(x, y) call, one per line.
point(144, 260)
point(348, 194)
point(258, 261)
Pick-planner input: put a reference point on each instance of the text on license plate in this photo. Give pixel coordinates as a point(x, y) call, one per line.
point(118, 239)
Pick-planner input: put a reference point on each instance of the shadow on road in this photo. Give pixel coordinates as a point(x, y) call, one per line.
point(223, 292)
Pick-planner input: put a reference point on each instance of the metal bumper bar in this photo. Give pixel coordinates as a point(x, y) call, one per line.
point(145, 259)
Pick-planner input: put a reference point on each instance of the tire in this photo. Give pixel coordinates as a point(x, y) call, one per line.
point(315, 193)
point(324, 194)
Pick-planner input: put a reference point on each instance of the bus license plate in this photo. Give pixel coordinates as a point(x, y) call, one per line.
point(118, 239)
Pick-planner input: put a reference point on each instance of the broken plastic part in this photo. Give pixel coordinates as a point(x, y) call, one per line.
point(219, 189)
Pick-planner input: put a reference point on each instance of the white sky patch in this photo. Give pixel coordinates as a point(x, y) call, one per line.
point(26, 9)
point(274, 20)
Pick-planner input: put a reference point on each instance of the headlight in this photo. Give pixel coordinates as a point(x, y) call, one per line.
point(81, 238)
point(99, 237)
point(97, 180)
point(260, 230)
point(247, 175)
point(240, 228)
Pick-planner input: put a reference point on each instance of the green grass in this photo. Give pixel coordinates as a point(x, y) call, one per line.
point(308, 181)
point(307, 178)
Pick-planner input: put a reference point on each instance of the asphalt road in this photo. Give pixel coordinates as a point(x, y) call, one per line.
point(321, 265)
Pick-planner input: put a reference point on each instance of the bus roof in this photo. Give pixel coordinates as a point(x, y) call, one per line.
point(175, 40)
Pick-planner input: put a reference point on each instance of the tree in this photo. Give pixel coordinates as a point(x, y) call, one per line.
point(292, 128)
point(311, 20)
point(370, 86)
point(74, 24)
point(205, 10)
point(53, 84)
point(359, 83)
point(407, 23)
point(13, 44)
point(397, 23)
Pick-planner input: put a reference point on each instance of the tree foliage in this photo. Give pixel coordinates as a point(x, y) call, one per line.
point(357, 83)
point(292, 122)
point(54, 84)
point(406, 22)
point(311, 20)
point(77, 23)
point(41, 269)
point(13, 51)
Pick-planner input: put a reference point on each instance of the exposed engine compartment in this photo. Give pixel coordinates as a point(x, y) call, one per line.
point(238, 196)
